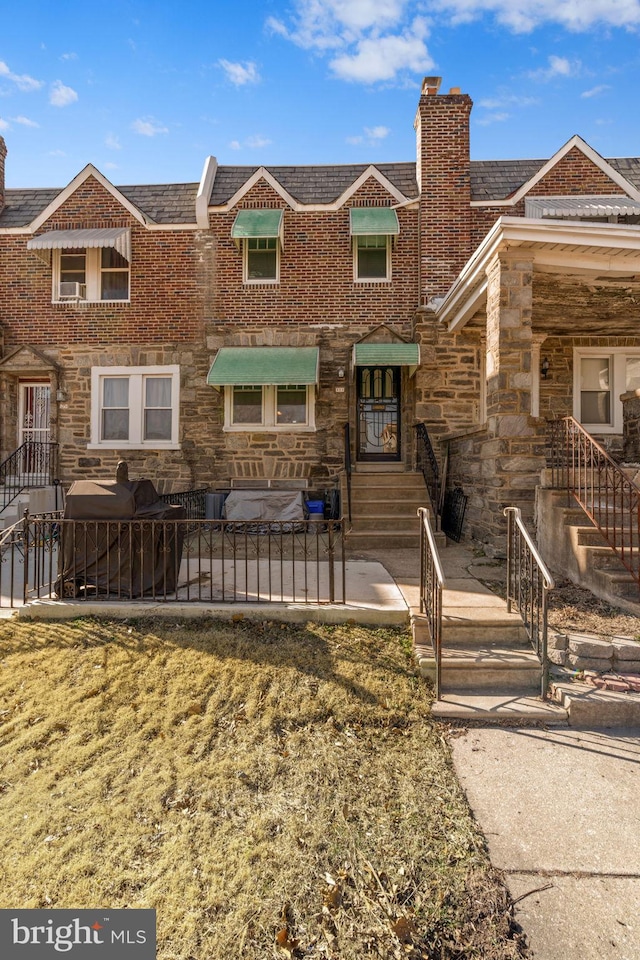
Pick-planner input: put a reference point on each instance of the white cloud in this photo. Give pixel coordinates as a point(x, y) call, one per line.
point(25, 122)
point(109, 165)
point(61, 96)
point(22, 80)
point(235, 145)
point(69, 56)
point(382, 58)
point(240, 73)
point(507, 100)
point(369, 40)
point(148, 128)
point(112, 142)
point(596, 91)
point(490, 118)
point(558, 67)
point(3, 124)
point(56, 153)
point(372, 135)
point(522, 16)
point(257, 141)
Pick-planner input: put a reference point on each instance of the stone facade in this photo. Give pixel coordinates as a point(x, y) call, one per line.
point(484, 308)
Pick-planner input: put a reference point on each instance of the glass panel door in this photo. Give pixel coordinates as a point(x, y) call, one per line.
point(378, 413)
point(34, 424)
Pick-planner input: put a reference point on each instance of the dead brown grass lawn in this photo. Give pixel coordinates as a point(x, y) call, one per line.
point(270, 790)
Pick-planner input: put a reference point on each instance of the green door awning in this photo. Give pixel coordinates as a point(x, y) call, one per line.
point(388, 354)
point(373, 221)
point(259, 366)
point(250, 224)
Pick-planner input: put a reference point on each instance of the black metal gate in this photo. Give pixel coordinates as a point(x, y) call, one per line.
point(378, 413)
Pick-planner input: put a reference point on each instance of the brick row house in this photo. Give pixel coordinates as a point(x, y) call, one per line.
point(227, 331)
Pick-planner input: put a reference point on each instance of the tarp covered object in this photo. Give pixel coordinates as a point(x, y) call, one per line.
point(247, 505)
point(121, 552)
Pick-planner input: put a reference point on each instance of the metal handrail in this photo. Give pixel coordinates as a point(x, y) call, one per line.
point(528, 583)
point(33, 464)
point(432, 584)
point(348, 466)
point(427, 463)
point(607, 495)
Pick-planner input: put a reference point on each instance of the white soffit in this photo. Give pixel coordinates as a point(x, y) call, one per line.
point(582, 206)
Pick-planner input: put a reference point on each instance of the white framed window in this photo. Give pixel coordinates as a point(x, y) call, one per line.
point(92, 273)
point(372, 257)
point(280, 408)
point(261, 257)
point(134, 407)
point(600, 376)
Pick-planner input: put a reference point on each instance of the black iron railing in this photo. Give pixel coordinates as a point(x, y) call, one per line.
point(606, 494)
point(193, 501)
point(431, 587)
point(221, 561)
point(34, 464)
point(348, 467)
point(427, 463)
point(528, 583)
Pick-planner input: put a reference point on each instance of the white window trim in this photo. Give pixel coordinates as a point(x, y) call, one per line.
point(359, 279)
point(136, 377)
point(93, 271)
point(260, 281)
point(617, 357)
point(268, 425)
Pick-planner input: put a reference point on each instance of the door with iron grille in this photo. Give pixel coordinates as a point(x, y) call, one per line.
point(34, 425)
point(378, 397)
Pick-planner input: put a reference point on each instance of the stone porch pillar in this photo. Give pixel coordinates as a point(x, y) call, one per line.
point(513, 455)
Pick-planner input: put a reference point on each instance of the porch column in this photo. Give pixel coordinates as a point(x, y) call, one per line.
point(512, 455)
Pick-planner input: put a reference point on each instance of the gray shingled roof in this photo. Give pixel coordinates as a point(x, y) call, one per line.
point(175, 202)
point(313, 184)
point(163, 203)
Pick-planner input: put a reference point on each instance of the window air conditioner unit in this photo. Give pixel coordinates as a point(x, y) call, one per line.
point(71, 290)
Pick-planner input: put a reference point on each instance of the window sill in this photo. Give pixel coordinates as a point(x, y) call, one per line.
point(257, 428)
point(86, 303)
point(372, 280)
point(134, 446)
point(260, 283)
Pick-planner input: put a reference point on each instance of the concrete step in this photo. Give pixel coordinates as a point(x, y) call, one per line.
point(381, 481)
point(383, 524)
point(357, 540)
point(391, 505)
point(498, 708)
point(503, 669)
point(506, 633)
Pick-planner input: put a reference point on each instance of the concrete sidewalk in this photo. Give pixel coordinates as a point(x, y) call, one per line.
point(561, 813)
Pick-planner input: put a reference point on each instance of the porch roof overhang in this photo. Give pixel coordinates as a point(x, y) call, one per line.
point(389, 354)
point(264, 366)
point(581, 206)
point(552, 247)
point(117, 237)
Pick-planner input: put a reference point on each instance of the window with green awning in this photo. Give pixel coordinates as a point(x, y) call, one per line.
point(257, 366)
point(382, 221)
point(253, 224)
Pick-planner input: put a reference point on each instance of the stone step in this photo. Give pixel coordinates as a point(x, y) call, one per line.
point(484, 668)
point(383, 524)
point(375, 540)
point(589, 707)
point(509, 633)
point(400, 481)
point(498, 708)
point(389, 504)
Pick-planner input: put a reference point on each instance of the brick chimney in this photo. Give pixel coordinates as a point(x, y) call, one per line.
point(444, 181)
point(3, 153)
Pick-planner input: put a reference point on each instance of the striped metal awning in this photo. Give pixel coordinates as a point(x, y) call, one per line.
point(582, 206)
point(117, 237)
point(260, 366)
point(373, 221)
point(252, 224)
point(387, 354)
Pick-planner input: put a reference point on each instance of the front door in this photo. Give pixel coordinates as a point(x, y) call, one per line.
point(378, 391)
point(34, 424)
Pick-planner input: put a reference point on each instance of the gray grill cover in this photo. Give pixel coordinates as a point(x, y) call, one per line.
point(125, 559)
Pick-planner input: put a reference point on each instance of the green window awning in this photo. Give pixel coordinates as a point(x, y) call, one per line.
point(373, 220)
point(259, 366)
point(250, 224)
point(389, 354)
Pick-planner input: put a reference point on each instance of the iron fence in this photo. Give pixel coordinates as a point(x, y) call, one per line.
point(610, 499)
point(528, 583)
point(221, 561)
point(431, 587)
point(194, 502)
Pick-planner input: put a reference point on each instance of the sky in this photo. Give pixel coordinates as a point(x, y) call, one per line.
point(147, 90)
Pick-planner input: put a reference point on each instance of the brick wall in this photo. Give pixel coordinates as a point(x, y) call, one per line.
point(442, 131)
